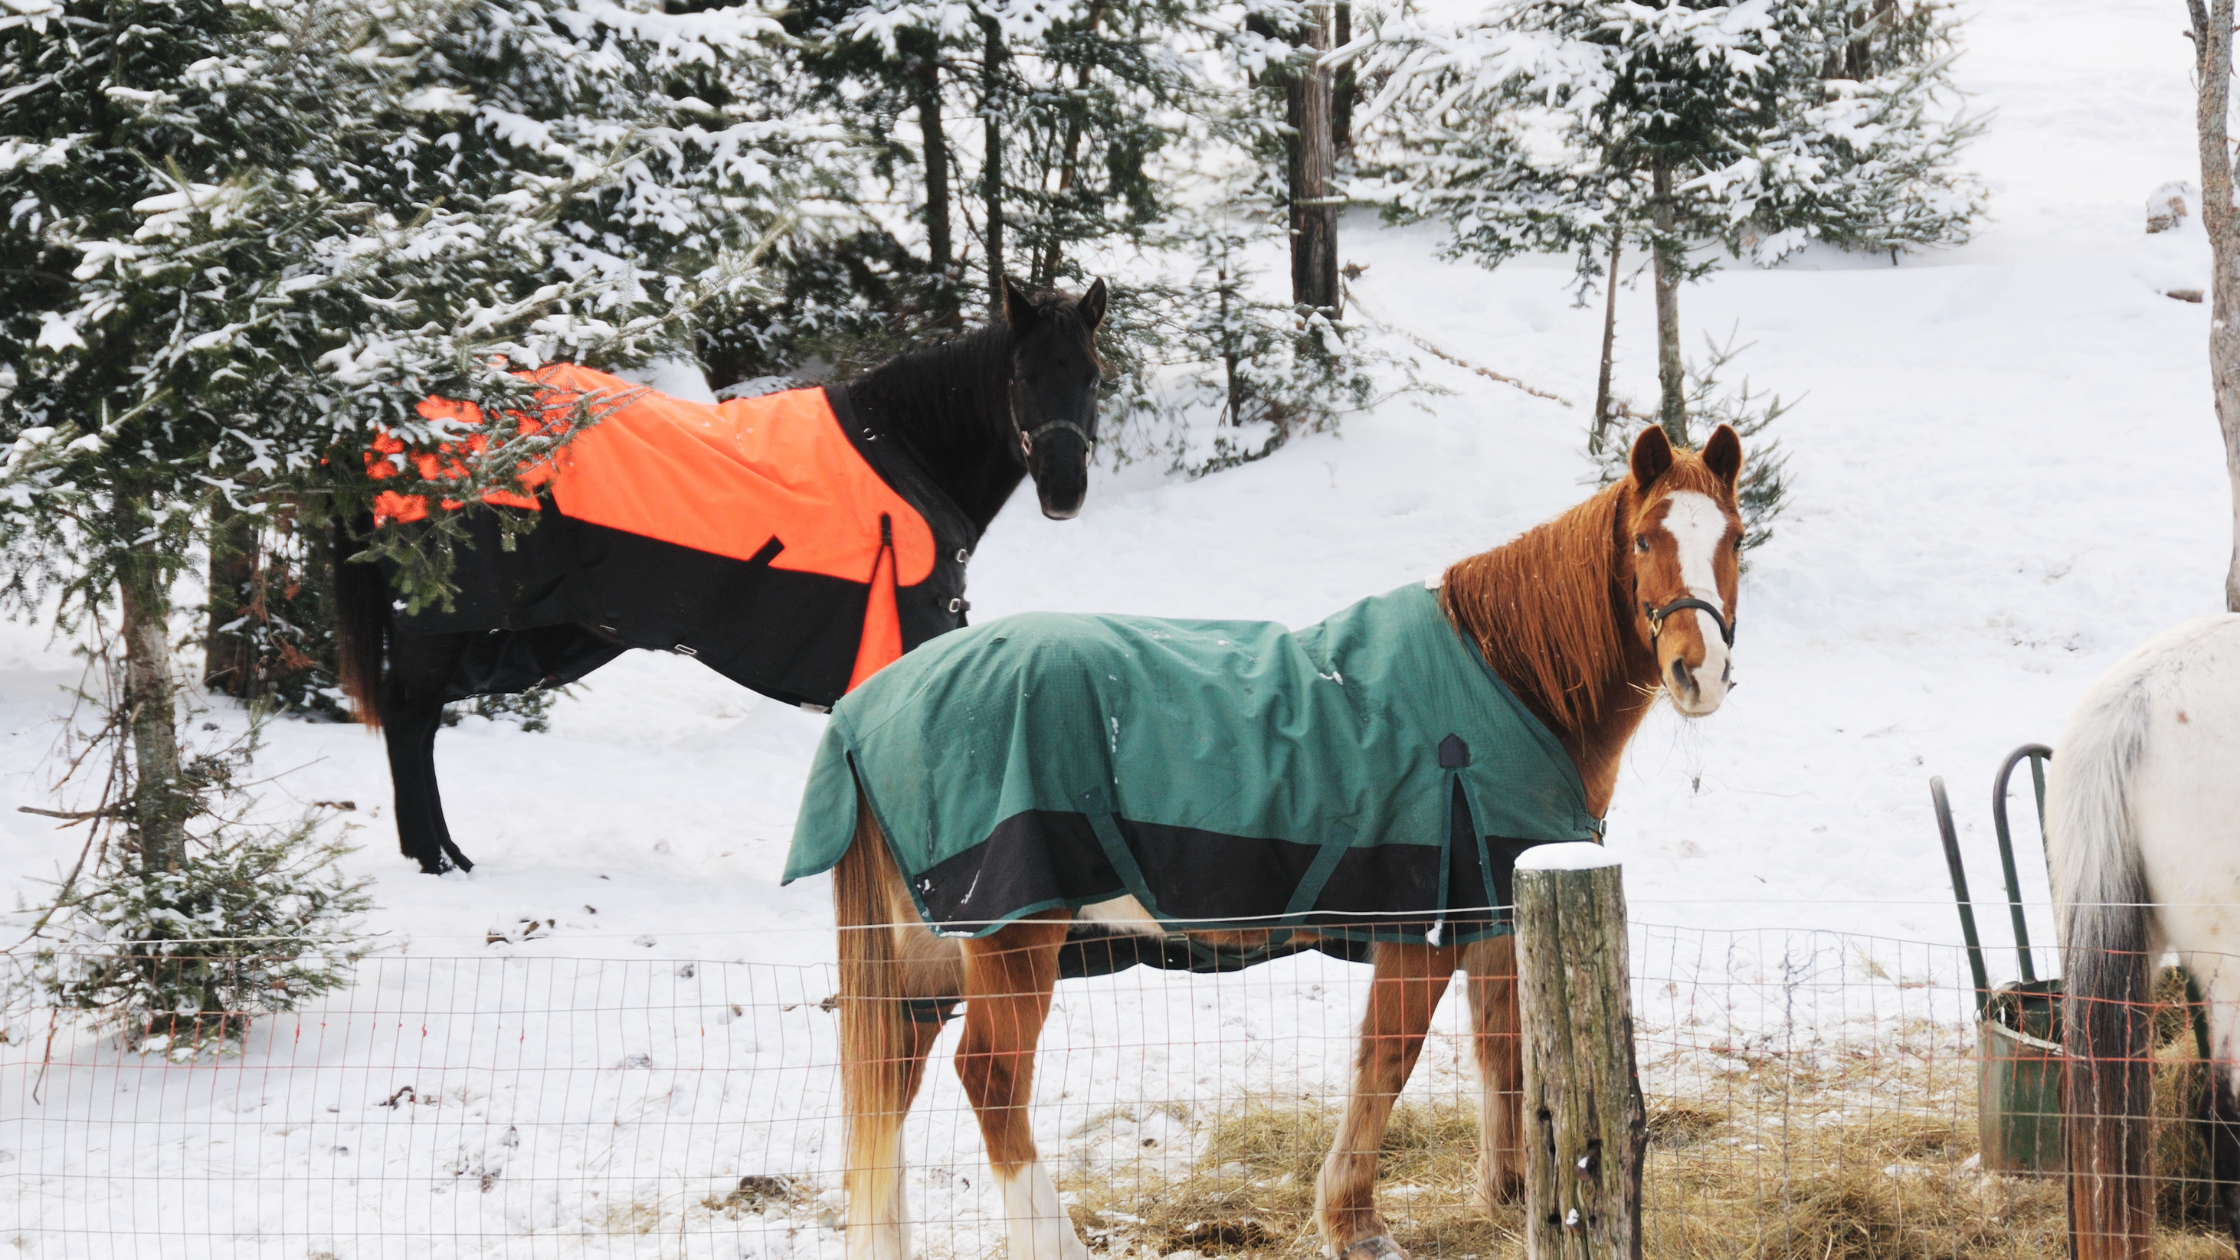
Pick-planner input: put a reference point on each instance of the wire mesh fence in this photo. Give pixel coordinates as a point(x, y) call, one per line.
point(1810, 1094)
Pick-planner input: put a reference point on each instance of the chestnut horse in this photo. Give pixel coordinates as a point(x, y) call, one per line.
point(2139, 819)
point(1588, 619)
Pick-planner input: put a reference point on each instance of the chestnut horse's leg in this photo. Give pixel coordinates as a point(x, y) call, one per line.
point(1008, 977)
point(1492, 965)
point(898, 982)
point(1408, 983)
point(885, 1084)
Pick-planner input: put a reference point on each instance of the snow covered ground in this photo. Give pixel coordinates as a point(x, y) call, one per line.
point(2006, 471)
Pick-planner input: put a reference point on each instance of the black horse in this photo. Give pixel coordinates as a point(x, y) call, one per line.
point(952, 430)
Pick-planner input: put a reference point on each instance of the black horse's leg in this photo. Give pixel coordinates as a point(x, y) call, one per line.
point(411, 704)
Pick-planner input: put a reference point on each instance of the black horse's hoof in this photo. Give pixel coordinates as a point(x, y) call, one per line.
point(441, 862)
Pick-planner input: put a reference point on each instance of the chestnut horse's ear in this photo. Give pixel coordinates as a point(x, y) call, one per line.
point(1018, 308)
point(1092, 305)
point(1652, 455)
point(1723, 455)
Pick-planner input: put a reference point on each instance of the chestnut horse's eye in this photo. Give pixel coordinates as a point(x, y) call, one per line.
point(1641, 544)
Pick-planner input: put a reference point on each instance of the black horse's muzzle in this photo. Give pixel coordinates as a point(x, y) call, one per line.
point(1057, 455)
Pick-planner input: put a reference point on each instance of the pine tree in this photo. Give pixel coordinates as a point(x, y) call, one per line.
point(140, 308)
point(1310, 128)
point(1161, 127)
point(1034, 133)
point(1213, 373)
point(245, 236)
point(1211, 368)
point(1090, 133)
point(1755, 126)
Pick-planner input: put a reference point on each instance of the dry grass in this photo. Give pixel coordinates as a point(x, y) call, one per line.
point(628, 1219)
point(1893, 1185)
point(755, 1195)
point(1250, 1189)
point(1872, 1159)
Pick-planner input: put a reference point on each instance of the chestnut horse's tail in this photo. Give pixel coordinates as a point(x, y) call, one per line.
point(897, 983)
point(361, 623)
point(2106, 929)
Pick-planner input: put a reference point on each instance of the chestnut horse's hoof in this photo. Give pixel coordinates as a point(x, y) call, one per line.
point(1504, 1188)
point(1380, 1247)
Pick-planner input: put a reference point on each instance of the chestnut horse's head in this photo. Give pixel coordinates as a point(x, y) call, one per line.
point(1682, 537)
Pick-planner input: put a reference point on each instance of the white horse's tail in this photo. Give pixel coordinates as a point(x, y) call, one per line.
point(2100, 895)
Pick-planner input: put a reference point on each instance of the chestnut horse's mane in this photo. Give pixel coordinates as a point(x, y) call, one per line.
point(1544, 608)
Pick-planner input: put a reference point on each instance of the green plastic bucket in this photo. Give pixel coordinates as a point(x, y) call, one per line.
point(2018, 1100)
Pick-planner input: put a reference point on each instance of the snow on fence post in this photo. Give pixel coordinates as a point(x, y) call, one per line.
point(1584, 1127)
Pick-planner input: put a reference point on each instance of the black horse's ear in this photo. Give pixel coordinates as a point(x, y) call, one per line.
point(1018, 308)
point(1092, 305)
point(1652, 455)
point(1723, 455)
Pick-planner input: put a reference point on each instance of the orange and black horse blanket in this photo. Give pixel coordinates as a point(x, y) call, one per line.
point(774, 539)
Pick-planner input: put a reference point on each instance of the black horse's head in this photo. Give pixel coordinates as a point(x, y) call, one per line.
point(1055, 373)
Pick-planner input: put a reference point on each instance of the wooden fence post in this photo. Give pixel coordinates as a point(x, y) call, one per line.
point(1584, 1127)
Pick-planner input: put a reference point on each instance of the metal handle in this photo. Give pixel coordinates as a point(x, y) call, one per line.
point(1960, 892)
point(2038, 754)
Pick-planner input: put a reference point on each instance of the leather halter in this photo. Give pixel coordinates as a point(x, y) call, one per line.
point(1027, 436)
point(1656, 617)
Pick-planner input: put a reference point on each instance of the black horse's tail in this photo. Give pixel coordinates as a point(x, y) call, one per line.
point(361, 622)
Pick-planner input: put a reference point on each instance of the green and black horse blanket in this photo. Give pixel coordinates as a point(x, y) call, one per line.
point(1368, 777)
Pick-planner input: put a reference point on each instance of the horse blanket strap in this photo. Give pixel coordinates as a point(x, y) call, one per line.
point(772, 538)
point(931, 1010)
point(1368, 777)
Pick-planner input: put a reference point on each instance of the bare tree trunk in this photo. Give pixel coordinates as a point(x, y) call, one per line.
point(1858, 64)
point(229, 658)
point(1053, 252)
point(1672, 404)
point(1314, 212)
point(926, 88)
point(1046, 269)
point(1346, 87)
point(2212, 42)
point(1609, 347)
point(991, 173)
point(159, 805)
point(1230, 359)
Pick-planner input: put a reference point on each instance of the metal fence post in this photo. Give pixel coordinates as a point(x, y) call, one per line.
point(1584, 1126)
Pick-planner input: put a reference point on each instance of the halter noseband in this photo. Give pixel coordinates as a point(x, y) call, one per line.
point(1027, 436)
point(1656, 617)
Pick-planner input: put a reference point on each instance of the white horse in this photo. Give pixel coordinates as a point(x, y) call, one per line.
point(2143, 833)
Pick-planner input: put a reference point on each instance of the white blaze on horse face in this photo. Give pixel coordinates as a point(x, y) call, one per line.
point(1040, 1227)
point(1699, 529)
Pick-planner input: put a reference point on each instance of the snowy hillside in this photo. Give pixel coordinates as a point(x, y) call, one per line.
point(2006, 474)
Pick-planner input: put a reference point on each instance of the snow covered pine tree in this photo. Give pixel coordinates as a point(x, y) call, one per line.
point(244, 236)
point(1752, 125)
